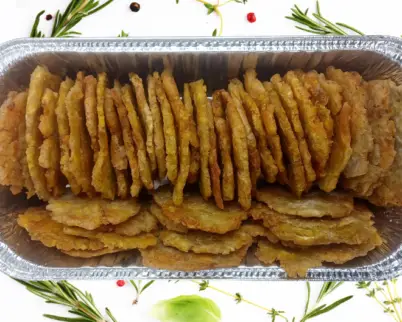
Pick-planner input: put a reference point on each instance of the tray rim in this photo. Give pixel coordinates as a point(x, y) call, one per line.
point(17, 267)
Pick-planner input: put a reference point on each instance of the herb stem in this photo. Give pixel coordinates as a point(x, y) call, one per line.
point(243, 299)
point(393, 302)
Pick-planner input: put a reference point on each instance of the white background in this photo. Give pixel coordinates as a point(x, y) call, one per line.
point(165, 18)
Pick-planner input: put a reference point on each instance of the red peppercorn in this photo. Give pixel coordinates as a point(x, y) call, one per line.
point(251, 17)
point(120, 283)
point(49, 17)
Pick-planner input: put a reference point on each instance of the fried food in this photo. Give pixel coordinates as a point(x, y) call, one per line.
point(199, 96)
point(214, 168)
point(12, 152)
point(253, 154)
point(162, 257)
point(254, 117)
point(353, 229)
point(225, 147)
point(40, 226)
point(168, 130)
point(79, 143)
point(320, 99)
point(194, 141)
point(91, 253)
point(256, 230)
point(188, 105)
point(41, 79)
point(64, 135)
point(341, 150)
point(136, 184)
point(117, 151)
point(257, 91)
point(165, 221)
point(144, 222)
point(159, 139)
point(362, 137)
point(49, 155)
point(296, 262)
point(184, 148)
point(138, 136)
point(314, 204)
point(388, 193)
point(293, 145)
point(334, 92)
point(91, 213)
point(379, 113)
point(196, 213)
point(239, 141)
point(202, 242)
point(146, 118)
point(316, 135)
point(91, 114)
point(103, 179)
point(113, 240)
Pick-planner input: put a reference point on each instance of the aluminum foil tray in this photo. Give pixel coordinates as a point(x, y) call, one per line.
point(215, 60)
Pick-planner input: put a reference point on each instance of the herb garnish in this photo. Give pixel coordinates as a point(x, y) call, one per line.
point(80, 304)
point(140, 289)
point(387, 297)
point(123, 34)
point(321, 25)
point(215, 8)
point(65, 22)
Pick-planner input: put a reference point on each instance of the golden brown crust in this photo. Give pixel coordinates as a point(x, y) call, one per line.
point(103, 179)
point(253, 154)
point(314, 128)
point(257, 91)
point(196, 213)
point(138, 137)
point(362, 138)
point(379, 113)
point(341, 150)
point(162, 257)
point(198, 92)
point(315, 204)
point(354, 229)
point(40, 80)
point(291, 144)
point(239, 141)
point(146, 118)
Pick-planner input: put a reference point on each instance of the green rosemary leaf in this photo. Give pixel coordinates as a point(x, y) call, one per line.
point(318, 24)
point(35, 33)
point(65, 319)
point(110, 315)
point(133, 283)
point(214, 32)
point(241, 1)
point(177, 1)
point(308, 298)
point(204, 284)
point(147, 285)
point(324, 308)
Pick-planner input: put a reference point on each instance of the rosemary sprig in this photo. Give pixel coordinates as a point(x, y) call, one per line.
point(81, 304)
point(326, 289)
point(140, 289)
point(388, 299)
point(215, 8)
point(65, 22)
point(320, 25)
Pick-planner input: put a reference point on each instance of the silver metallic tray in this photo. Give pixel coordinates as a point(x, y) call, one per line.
point(215, 60)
